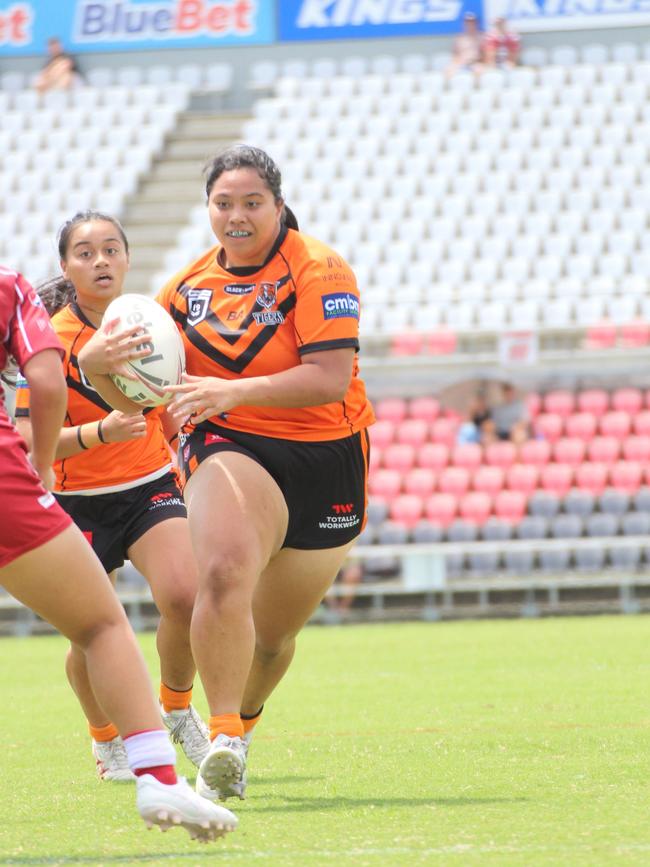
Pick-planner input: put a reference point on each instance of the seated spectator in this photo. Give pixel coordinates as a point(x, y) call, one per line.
point(478, 416)
point(510, 417)
point(60, 71)
point(467, 49)
point(501, 46)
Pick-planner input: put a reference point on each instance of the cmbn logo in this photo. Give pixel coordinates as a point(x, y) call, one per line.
point(340, 304)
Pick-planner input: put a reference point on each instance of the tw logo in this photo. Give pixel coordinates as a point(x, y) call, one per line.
point(158, 498)
point(343, 508)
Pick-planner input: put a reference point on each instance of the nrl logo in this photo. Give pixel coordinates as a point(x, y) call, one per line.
point(267, 295)
point(198, 304)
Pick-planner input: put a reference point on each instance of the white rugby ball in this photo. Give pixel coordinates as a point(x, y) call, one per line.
point(164, 365)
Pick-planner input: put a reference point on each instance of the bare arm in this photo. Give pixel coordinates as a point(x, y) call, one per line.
point(115, 427)
point(322, 377)
point(48, 404)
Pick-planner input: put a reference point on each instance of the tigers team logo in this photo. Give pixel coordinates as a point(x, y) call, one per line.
point(267, 295)
point(198, 305)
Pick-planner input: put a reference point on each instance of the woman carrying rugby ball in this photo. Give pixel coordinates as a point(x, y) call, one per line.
point(274, 451)
point(115, 479)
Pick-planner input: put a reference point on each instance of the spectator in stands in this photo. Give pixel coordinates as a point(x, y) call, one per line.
point(510, 416)
point(47, 564)
point(478, 419)
point(467, 52)
point(274, 444)
point(501, 46)
point(60, 71)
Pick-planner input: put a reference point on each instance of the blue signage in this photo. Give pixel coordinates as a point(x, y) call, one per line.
point(300, 20)
point(123, 25)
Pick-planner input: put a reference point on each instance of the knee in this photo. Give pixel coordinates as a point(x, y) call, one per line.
point(229, 575)
point(269, 649)
point(177, 603)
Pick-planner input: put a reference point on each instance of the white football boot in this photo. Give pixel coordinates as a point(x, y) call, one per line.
point(222, 773)
point(111, 761)
point(178, 806)
point(188, 729)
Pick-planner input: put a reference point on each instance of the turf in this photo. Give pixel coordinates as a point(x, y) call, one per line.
point(475, 743)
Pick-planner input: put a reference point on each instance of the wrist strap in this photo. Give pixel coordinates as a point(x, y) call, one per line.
point(79, 440)
point(99, 431)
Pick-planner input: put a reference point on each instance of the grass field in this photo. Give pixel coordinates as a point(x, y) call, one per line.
point(475, 743)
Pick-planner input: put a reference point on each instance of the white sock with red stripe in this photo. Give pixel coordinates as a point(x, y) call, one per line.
point(151, 752)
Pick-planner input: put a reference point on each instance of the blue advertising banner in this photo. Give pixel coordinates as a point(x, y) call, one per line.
point(300, 20)
point(123, 25)
point(528, 16)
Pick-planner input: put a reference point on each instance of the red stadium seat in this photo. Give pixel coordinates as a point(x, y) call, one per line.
point(560, 402)
point(593, 400)
point(382, 433)
point(603, 449)
point(408, 343)
point(488, 479)
point(433, 455)
point(476, 506)
point(399, 456)
point(427, 408)
point(592, 477)
point(569, 450)
point(556, 478)
point(442, 341)
point(582, 425)
point(406, 509)
point(549, 425)
point(391, 409)
point(626, 476)
point(636, 448)
point(385, 483)
point(444, 430)
point(500, 454)
point(454, 480)
point(414, 431)
point(510, 505)
point(616, 424)
point(601, 335)
point(420, 480)
point(441, 508)
point(641, 423)
point(375, 457)
point(635, 334)
point(522, 478)
point(467, 455)
point(533, 403)
point(537, 452)
point(628, 400)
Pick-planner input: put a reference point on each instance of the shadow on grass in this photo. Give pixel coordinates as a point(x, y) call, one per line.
point(288, 804)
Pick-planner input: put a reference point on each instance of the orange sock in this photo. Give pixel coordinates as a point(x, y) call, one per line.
point(226, 724)
point(175, 699)
point(103, 734)
point(249, 722)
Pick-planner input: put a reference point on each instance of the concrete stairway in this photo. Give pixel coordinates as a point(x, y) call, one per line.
point(160, 208)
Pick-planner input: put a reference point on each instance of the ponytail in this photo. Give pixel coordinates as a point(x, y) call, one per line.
point(289, 219)
point(56, 294)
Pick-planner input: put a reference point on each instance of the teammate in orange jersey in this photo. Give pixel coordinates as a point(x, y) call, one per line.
point(114, 478)
point(275, 459)
point(46, 564)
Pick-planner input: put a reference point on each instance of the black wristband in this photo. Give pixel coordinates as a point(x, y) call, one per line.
point(99, 431)
point(79, 440)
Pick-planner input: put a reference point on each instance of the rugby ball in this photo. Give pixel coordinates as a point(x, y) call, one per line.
point(164, 365)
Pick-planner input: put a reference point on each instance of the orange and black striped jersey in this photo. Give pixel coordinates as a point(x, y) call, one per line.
point(110, 466)
point(262, 320)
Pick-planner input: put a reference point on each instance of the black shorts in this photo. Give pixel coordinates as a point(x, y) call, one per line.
point(324, 484)
point(113, 522)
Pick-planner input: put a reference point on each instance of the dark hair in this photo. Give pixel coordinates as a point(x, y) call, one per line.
point(241, 156)
point(59, 291)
